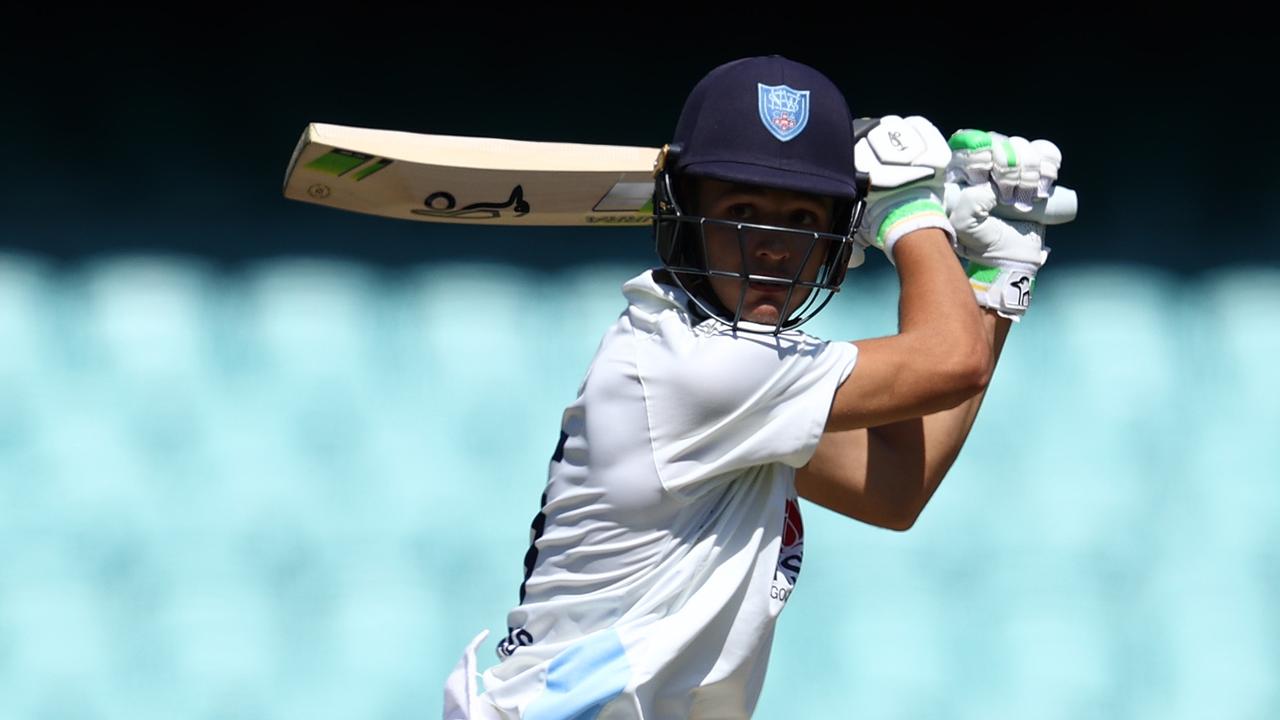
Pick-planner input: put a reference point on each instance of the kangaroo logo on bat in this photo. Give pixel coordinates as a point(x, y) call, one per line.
point(443, 204)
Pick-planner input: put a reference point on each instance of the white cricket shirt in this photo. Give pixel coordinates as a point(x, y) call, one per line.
point(670, 534)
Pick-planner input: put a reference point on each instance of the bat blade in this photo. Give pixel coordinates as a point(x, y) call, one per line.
point(467, 180)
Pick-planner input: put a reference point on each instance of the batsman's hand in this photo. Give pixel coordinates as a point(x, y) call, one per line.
point(906, 159)
point(1021, 171)
point(1000, 177)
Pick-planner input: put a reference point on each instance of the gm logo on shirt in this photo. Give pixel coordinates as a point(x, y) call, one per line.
point(790, 555)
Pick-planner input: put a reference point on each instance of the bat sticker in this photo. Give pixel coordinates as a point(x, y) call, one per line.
point(339, 162)
point(375, 167)
point(441, 204)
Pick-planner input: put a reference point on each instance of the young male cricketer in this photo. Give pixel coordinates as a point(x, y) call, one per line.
point(669, 536)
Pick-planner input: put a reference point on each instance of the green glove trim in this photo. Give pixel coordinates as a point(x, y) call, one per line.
point(969, 140)
point(983, 273)
point(911, 209)
point(1010, 153)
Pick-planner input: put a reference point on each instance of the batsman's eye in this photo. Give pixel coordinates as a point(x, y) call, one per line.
point(804, 218)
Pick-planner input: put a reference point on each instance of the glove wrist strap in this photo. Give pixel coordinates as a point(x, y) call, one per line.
point(1005, 288)
point(907, 218)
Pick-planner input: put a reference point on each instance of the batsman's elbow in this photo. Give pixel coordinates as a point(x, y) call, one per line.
point(906, 514)
point(967, 375)
point(901, 524)
point(981, 367)
point(977, 365)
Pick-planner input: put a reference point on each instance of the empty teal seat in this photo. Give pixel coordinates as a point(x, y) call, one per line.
point(1238, 308)
point(578, 304)
point(57, 634)
point(1236, 382)
point(32, 357)
point(139, 329)
point(1230, 499)
point(474, 356)
point(29, 293)
point(304, 319)
point(145, 318)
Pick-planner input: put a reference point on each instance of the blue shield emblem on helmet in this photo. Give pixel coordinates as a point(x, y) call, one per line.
point(783, 110)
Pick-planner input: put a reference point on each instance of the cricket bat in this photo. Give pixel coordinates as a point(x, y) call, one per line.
point(490, 181)
point(470, 180)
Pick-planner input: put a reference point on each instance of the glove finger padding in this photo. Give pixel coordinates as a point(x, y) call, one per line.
point(1050, 165)
point(1015, 169)
point(1022, 171)
point(905, 159)
point(970, 162)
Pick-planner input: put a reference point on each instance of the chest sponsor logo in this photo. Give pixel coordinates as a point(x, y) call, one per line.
point(791, 553)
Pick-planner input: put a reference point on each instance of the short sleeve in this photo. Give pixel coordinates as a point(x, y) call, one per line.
point(718, 403)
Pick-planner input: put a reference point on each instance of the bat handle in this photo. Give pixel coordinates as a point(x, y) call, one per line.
point(1058, 208)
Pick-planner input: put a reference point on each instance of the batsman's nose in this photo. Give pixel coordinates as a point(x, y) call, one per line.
point(770, 246)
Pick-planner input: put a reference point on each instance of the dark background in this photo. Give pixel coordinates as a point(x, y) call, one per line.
point(124, 135)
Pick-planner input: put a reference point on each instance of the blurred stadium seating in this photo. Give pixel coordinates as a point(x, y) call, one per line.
point(296, 489)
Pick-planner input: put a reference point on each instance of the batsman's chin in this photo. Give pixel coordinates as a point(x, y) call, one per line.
point(763, 302)
point(765, 311)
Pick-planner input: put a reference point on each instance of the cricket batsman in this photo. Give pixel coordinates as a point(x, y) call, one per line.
point(669, 535)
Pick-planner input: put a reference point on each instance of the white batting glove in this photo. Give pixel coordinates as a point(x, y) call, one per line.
point(906, 159)
point(1004, 254)
point(1023, 171)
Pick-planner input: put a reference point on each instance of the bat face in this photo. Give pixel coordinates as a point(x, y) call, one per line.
point(440, 178)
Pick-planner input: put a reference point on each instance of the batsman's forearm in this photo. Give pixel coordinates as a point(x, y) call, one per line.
point(944, 433)
point(935, 295)
point(937, 310)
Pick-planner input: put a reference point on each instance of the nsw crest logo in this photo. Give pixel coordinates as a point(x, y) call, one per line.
point(783, 110)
